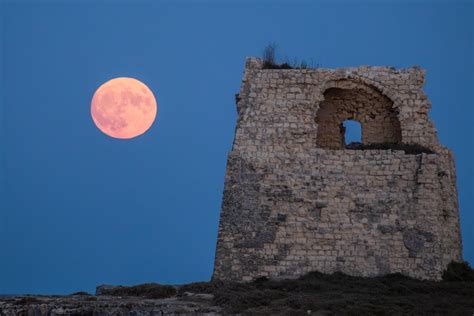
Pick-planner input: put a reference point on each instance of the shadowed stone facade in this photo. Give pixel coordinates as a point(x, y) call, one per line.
point(296, 200)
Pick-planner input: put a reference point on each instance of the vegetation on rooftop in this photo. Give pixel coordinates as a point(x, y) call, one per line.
point(270, 60)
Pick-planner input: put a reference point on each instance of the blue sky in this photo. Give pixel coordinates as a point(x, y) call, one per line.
point(78, 208)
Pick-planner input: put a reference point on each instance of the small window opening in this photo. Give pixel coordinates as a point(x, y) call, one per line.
point(351, 133)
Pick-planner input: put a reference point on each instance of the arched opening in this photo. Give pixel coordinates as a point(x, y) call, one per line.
point(355, 102)
point(352, 131)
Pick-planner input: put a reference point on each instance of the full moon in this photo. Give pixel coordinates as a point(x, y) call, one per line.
point(123, 108)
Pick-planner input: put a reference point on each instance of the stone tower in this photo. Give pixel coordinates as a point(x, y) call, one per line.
point(296, 199)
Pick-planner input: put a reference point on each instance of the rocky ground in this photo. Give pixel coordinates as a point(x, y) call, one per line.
point(312, 294)
point(106, 305)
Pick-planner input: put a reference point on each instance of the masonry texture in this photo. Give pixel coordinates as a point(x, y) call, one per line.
point(296, 199)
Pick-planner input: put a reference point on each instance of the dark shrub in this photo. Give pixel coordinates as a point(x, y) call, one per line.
point(269, 56)
point(199, 288)
point(82, 293)
point(458, 271)
point(148, 290)
point(270, 60)
point(341, 294)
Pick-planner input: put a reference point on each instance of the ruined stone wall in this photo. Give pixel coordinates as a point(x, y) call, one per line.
point(295, 200)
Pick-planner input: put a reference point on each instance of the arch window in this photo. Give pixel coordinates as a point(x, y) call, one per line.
point(344, 111)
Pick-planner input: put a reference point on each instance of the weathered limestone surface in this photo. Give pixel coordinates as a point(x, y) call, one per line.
point(295, 200)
